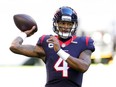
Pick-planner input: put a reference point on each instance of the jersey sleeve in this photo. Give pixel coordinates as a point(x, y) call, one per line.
point(89, 44)
point(40, 41)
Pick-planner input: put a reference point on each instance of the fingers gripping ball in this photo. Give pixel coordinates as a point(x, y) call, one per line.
point(24, 22)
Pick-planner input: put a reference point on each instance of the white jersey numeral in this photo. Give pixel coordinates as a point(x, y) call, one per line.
point(64, 68)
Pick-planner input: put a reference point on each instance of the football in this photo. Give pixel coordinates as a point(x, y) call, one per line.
point(24, 22)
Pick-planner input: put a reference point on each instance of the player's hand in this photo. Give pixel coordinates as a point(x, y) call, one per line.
point(31, 31)
point(55, 42)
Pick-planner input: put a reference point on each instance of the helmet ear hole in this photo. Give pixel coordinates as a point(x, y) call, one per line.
point(55, 27)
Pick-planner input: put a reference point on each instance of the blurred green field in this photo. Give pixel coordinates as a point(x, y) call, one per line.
point(35, 76)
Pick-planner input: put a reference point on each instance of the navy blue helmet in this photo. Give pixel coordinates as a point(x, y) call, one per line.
point(65, 13)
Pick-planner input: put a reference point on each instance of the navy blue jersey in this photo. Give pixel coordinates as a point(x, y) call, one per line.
point(59, 74)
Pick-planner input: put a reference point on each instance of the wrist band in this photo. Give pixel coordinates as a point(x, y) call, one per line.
point(63, 54)
point(22, 35)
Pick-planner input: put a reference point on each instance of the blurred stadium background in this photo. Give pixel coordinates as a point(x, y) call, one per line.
point(97, 18)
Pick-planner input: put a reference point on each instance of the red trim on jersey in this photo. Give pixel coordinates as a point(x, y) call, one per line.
point(42, 38)
point(87, 40)
point(67, 42)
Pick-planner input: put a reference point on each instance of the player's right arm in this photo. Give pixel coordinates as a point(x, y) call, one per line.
point(26, 50)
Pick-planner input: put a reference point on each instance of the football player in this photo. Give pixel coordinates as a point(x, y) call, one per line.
point(66, 55)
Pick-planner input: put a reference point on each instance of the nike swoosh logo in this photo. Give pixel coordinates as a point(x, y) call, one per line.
point(66, 50)
point(74, 42)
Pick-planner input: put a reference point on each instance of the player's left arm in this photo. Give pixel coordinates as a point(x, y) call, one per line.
point(82, 63)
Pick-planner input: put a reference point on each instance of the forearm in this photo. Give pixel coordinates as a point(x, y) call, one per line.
point(77, 64)
point(17, 41)
point(81, 64)
point(18, 48)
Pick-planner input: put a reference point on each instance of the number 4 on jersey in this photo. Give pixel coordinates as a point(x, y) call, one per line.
point(64, 68)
